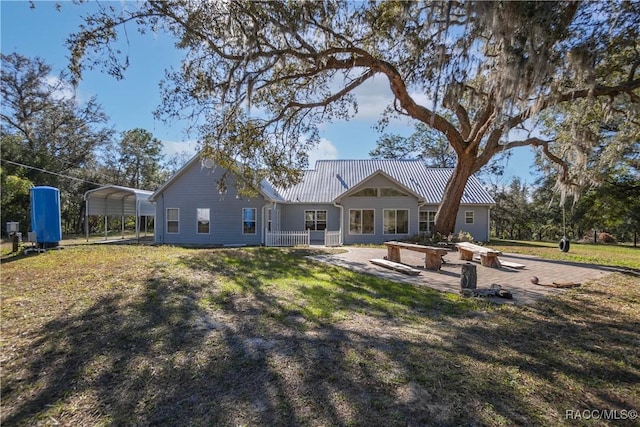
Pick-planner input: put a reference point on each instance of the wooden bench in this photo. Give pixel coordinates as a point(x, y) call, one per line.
point(488, 256)
point(432, 259)
point(395, 266)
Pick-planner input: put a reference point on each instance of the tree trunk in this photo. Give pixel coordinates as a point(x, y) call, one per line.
point(448, 210)
point(468, 276)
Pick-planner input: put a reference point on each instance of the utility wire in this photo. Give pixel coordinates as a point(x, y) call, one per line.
point(52, 173)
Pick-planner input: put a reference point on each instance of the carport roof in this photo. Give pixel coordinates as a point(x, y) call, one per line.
point(114, 200)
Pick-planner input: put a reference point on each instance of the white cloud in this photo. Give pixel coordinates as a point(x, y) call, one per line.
point(61, 89)
point(375, 95)
point(325, 150)
point(178, 147)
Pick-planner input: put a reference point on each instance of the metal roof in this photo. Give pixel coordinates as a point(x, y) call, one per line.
point(332, 178)
point(114, 200)
point(266, 189)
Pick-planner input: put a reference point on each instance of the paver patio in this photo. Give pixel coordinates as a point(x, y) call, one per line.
point(518, 282)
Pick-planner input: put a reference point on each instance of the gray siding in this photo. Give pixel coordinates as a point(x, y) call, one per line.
point(292, 219)
point(379, 204)
point(196, 188)
point(480, 227)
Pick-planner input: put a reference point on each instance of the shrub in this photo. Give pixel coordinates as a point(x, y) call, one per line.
point(462, 236)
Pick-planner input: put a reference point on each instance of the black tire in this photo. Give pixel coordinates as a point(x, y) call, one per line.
point(564, 244)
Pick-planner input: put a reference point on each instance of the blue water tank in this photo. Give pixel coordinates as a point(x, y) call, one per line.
point(45, 215)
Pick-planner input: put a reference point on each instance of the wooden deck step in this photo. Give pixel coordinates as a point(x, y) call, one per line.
point(395, 266)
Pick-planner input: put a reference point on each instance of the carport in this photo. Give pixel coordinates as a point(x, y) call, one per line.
point(113, 200)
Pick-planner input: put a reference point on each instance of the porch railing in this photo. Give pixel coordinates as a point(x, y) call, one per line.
point(332, 238)
point(288, 238)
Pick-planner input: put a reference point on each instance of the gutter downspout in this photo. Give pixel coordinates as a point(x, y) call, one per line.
point(489, 223)
point(420, 205)
point(335, 203)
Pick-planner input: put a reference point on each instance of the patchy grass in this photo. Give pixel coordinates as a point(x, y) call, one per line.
point(611, 255)
point(101, 335)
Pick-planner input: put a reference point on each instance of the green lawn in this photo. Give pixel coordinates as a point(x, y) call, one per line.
point(603, 254)
point(116, 335)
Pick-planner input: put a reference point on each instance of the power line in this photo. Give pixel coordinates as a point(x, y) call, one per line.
point(52, 173)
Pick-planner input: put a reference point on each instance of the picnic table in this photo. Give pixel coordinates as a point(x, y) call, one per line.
point(432, 259)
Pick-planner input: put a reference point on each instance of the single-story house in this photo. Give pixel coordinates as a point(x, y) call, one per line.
point(340, 201)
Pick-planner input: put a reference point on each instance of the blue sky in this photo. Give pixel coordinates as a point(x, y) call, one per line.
point(130, 102)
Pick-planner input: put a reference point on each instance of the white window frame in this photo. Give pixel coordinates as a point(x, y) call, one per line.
point(255, 221)
point(384, 217)
point(430, 223)
point(468, 217)
point(315, 219)
point(198, 220)
point(173, 220)
point(362, 223)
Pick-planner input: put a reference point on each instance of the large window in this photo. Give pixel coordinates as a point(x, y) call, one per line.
point(315, 220)
point(468, 217)
point(396, 221)
point(203, 220)
point(361, 221)
point(173, 220)
point(427, 221)
point(248, 221)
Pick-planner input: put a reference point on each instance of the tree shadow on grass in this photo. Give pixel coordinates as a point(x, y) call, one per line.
point(173, 354)
point(582, 353)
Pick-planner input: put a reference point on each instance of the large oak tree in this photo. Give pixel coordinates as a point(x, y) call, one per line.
point(262, 76)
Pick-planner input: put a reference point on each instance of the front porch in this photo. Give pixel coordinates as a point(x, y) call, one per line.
point(301, 238)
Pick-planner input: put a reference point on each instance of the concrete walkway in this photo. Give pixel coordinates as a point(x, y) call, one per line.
point(518, 282)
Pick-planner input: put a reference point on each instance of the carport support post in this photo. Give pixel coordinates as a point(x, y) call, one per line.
point(137, 219)
point(468, 277)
